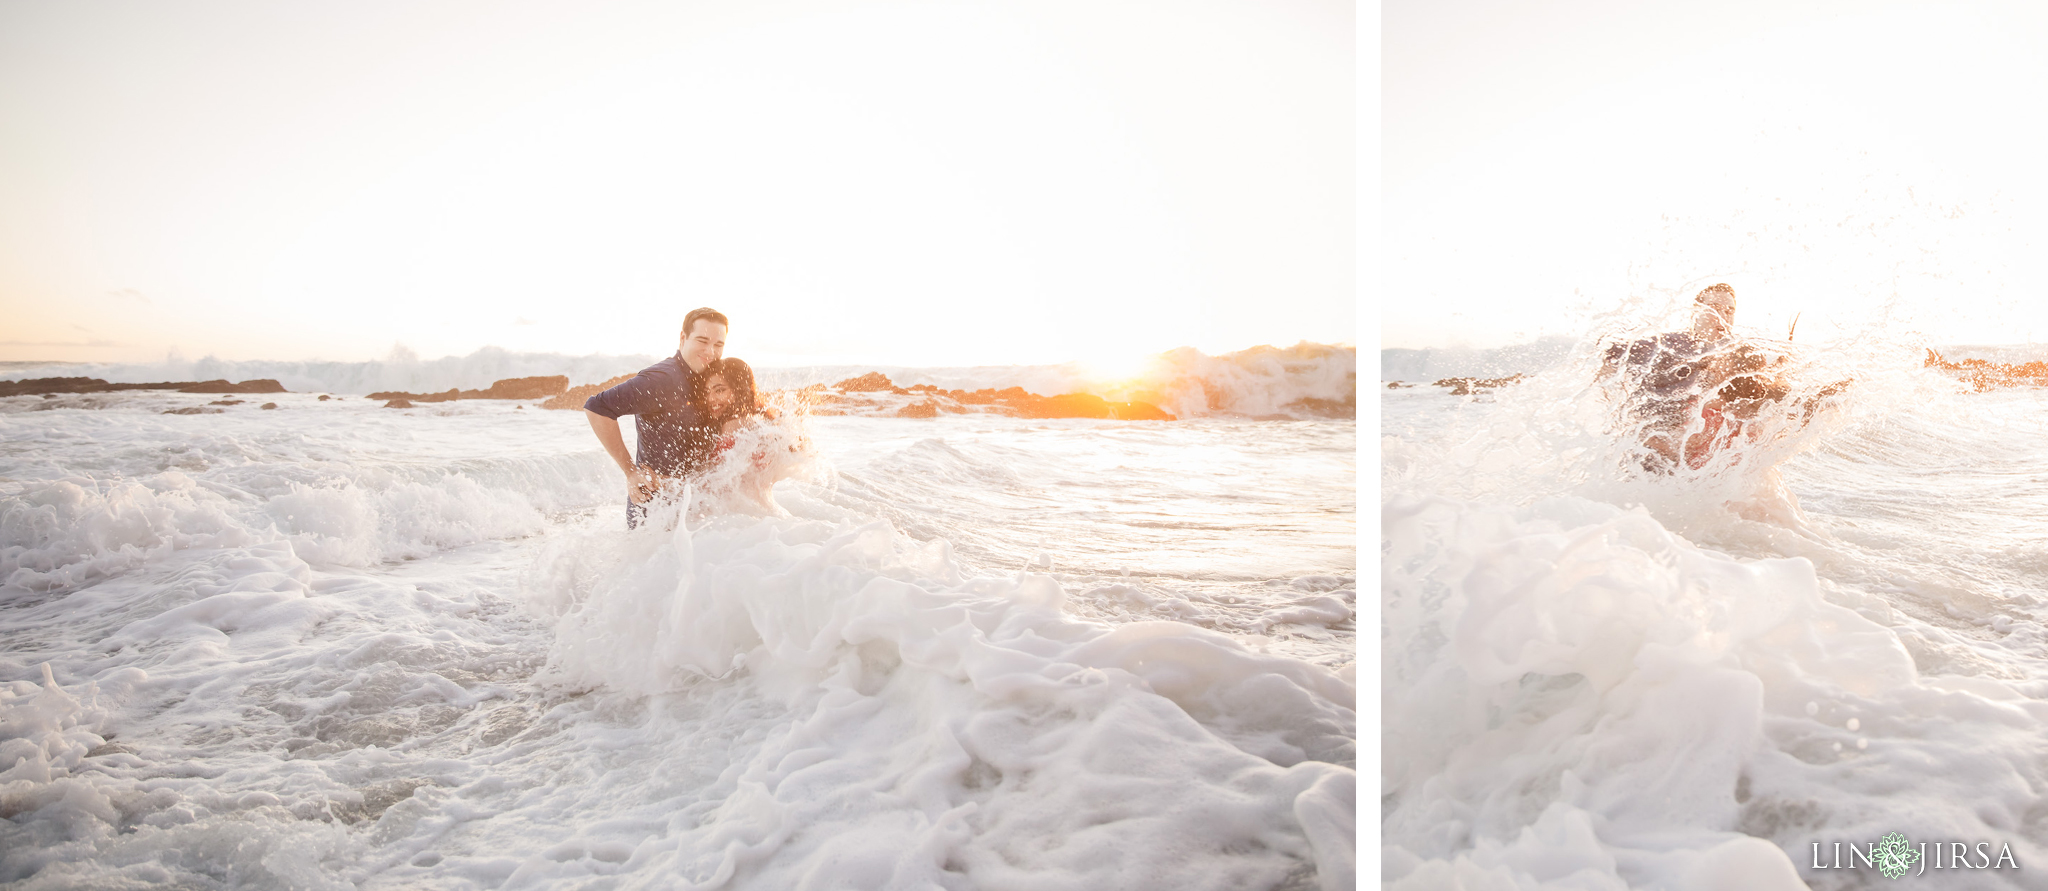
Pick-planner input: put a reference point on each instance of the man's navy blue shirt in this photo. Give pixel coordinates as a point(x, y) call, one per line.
point(671, 438)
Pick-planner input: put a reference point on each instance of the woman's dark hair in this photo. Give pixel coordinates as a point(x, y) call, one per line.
point(739, 377)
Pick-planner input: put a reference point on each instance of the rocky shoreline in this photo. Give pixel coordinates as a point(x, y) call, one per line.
point(1982, 375)
point(1464, 386)
point(872, 395)
point(45, 386)
point(534, 388)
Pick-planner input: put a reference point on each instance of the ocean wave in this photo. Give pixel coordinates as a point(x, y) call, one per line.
point(65, 533)
point(335, 645)
point(967, 717)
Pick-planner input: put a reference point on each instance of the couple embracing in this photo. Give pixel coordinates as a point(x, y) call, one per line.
point(688, 410)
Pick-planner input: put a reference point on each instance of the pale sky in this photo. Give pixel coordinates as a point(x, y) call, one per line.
point(1861, 164)
point(911, 183)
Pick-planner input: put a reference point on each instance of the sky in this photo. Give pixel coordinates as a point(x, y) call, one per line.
point(1859, 166)
point(910, 183)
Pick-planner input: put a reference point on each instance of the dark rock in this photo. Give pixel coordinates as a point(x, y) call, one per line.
point(986, 396)
point(574, 398)
point(1013, 401)
point(1327, 408)
point(398, 403)
point(509, 388)
point(324, 397)
point(268, 406)
point(1139, 411)
point(872, 382)
point(447, 396)
point(195, 410)
point(526, 388)
point(1078, 405)
point(51, 385)
point(225, 402)
point(1984, 375)
point(1463, 386)
point(46, 385)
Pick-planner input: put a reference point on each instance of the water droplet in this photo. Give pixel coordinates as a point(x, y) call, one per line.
point(1812, 708)
point(1838, 747)
point(1855, 724)
point(1863, 744)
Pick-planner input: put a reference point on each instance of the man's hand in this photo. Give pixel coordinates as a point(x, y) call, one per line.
point(640, 480)
point(641, 483)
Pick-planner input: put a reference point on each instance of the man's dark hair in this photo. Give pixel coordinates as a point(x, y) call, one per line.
point(703, 312)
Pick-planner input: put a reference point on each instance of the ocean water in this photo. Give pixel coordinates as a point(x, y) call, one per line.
point(1599, 678)
point(1261, 382)
point(334, 645)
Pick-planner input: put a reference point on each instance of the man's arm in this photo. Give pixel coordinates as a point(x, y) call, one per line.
point(639, 481)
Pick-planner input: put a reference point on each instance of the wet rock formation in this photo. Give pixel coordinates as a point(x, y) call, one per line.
point(572, 400)
point(42, 386)
point(870, 394)
point(1463, 386)
point(1984, 375)
point(509, 388)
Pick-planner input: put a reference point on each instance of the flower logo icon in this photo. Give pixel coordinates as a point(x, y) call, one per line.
point(1894, 854)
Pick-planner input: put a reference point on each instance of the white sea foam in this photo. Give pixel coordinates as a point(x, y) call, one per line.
point(1597, 677)
point(337, 645)
point(945, 732)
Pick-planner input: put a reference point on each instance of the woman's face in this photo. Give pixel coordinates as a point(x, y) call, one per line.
point(717, 394)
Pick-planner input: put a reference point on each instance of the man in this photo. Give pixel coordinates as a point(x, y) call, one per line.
point(672, 436)
point(1683, 388)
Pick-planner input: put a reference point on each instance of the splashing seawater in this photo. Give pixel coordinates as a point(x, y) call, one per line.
point(333, 645)
point(1829, 629)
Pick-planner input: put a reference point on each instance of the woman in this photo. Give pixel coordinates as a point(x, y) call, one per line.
point(731, 408)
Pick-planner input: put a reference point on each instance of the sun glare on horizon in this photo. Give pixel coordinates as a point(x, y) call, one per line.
point(1114, 368)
